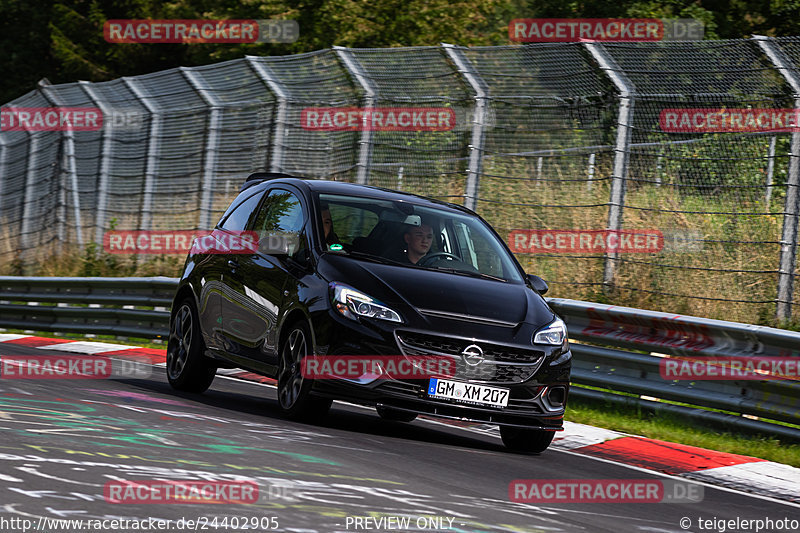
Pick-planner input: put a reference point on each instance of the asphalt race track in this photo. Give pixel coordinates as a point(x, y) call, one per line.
point(64, 440)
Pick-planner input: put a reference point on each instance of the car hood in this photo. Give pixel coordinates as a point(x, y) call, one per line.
point(437, 291)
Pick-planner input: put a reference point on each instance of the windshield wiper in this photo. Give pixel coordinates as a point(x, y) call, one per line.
point(472, 274)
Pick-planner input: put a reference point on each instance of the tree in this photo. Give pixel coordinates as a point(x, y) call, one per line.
point(63, 39)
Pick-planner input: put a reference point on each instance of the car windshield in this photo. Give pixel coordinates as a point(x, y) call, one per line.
point(415, 236)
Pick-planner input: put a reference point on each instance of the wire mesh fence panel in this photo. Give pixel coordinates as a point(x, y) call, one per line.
point(178, 124)
point(122, 157)
point(34, 196)
point(554, 144)
point(422, 162)
point(14, 149)
point(546, 156)
point(78, 165)
point(308, 81)
point(703, 187)
point(238, 138)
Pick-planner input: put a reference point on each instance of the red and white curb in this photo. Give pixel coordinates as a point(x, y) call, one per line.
point(155, 356)
point(739, 472)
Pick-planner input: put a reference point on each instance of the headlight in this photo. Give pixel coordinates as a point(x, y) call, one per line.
point(353, 304)
point(553, 334)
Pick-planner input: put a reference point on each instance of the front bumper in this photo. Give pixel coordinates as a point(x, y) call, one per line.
point(532, 412)
point(537, 377)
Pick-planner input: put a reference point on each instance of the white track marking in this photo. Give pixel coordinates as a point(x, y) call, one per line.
point(87, 347)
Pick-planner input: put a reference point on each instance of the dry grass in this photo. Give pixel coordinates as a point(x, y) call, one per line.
point(687, 281)
point(88, 261)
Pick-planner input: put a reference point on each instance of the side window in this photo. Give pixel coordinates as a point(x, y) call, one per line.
point(350, 222)
point(237, 219)
point(483, 255)
point(282, 213)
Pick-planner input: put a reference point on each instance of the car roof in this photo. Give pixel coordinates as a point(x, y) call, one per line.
point(355, 189)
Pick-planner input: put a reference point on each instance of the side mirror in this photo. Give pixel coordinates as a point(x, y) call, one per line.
point(539, 285)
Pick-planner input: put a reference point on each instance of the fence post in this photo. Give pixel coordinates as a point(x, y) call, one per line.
point(475, 168)
point(3, 166)
point(659, 168)
point(616, 203)
point(72, 167)
point(770, 171)
point(212, 144)
point(539, 165)
point(152, 149)
point(27, 196)
point(365, 150)
point(789, 236)
point(279, 91)
point(105, 164)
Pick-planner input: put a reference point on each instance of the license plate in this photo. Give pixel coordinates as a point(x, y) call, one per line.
point(468, 393)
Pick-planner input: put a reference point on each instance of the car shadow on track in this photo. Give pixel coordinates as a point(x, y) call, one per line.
point(262, 403)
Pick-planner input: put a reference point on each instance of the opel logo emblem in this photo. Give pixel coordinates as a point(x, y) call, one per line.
point(472, 355)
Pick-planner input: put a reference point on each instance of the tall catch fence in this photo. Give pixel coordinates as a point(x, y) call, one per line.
point(567, 136)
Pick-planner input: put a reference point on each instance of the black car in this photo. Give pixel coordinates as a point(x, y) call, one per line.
point(368, 271)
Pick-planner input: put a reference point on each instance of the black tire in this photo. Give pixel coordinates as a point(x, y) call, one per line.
point(526, 440)
point(294, 390)
point(387, 413)
point(188, 369)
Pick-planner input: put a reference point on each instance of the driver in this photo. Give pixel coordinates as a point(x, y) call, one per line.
point(418, 242)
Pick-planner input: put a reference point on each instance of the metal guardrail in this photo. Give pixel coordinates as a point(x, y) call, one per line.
point(131, 307)
point(139, 307)
point(604, 364)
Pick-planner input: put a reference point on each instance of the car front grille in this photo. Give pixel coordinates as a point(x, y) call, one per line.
point(501, 364)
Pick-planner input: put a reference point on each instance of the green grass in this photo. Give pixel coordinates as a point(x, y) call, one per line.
point(673, 429)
